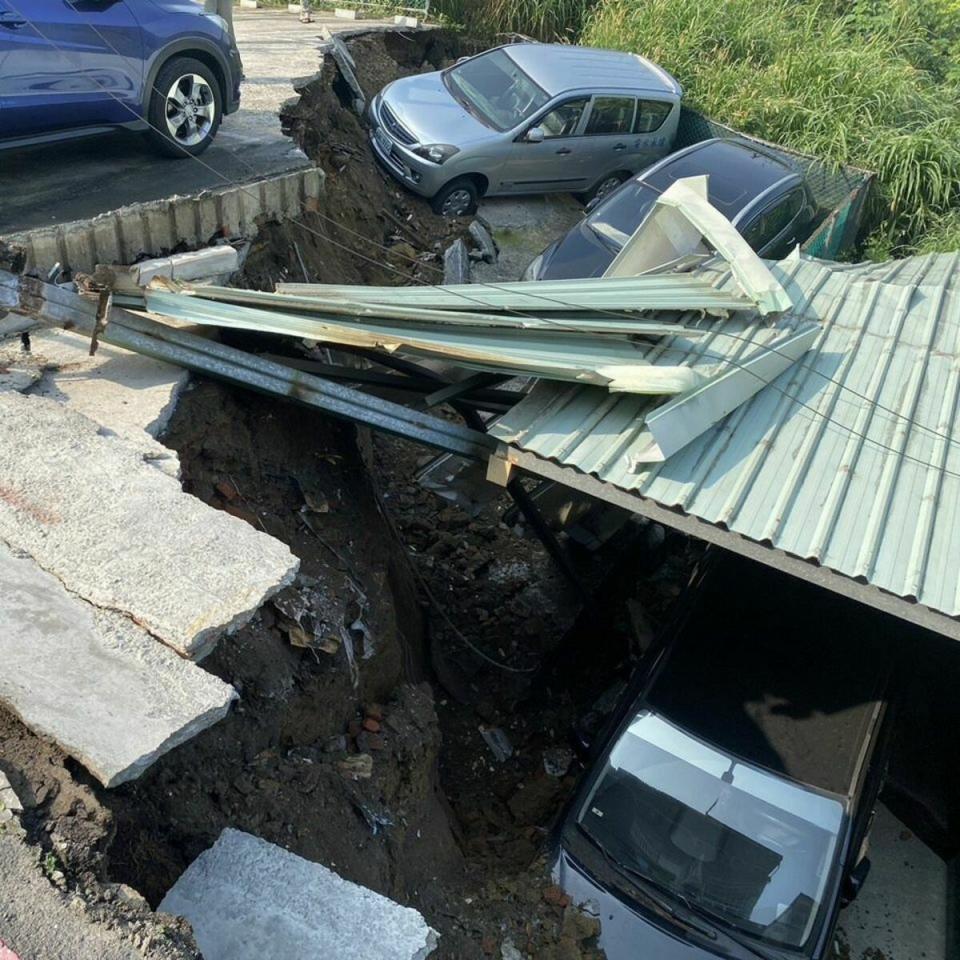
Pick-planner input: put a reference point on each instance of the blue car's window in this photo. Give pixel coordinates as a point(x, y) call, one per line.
point(753, 849)
point(494, 89)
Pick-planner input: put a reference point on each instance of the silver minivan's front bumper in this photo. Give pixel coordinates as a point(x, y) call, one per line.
point(414, 172)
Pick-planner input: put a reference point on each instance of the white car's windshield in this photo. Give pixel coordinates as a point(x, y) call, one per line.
point(749, 847)
point(494, 89)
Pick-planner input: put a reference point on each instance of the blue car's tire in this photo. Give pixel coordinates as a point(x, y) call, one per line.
point(186, 107)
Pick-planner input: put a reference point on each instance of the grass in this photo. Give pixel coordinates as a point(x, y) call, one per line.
point(872, 84)
point(541, 19)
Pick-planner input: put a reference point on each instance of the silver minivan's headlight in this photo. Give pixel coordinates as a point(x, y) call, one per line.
point(436, 152)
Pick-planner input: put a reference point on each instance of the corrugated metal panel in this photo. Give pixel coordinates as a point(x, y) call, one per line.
point(664, 291)
point(850, 458)
point(671, 365)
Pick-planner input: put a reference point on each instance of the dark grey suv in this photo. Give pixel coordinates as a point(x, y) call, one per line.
point(761, 194)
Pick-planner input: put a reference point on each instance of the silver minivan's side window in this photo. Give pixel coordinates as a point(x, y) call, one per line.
point(610, 116)
point(563, 120)
point(650, 115)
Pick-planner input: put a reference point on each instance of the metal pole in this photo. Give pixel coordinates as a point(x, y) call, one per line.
point(528, 508)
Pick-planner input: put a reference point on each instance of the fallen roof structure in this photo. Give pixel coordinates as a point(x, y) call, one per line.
point(843, 470)
point(820, 440)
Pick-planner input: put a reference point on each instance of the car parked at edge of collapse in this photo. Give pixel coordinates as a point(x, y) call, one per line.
point(727, 808)
point(164, 67)
point(761, 194)
point(525, 118)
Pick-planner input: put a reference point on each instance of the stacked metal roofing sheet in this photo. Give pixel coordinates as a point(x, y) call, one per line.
point(593, 331)
point(850, 458)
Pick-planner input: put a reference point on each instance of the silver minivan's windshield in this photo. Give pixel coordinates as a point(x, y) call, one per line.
point(749, 847)
point(495, 90)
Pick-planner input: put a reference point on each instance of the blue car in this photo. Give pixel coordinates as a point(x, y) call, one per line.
point(71, 68)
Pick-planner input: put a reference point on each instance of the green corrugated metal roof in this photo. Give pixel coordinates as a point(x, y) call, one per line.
point(850, 458)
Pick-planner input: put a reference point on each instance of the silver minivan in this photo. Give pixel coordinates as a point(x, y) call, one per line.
point(525, 118)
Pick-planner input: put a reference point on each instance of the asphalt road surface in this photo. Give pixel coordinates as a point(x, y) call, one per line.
point(57, 183)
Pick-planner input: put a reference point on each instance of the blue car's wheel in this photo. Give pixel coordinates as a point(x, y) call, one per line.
point(186, 107)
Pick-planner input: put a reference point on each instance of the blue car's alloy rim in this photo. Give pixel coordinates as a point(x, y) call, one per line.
point(190, 110)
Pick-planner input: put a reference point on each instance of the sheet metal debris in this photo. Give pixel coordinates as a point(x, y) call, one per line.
point(679, 222)
point(850, 458)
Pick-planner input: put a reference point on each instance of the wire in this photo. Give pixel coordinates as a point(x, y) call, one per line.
point(614, 314)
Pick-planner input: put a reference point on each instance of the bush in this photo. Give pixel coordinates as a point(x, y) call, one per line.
point(872, 83)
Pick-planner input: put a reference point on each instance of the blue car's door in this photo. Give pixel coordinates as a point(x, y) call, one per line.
point(66, 64)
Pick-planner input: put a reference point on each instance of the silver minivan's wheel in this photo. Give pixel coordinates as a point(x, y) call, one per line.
point(604, 188)
point(457, 199)
point(186, 107)
point(607, 186)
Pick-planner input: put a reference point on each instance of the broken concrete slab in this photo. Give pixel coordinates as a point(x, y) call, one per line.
point(129, 395)
point(93, 681)
point(217, 262)
point(15, 374)
point(10, 804)
point(347, 67)
point(483, 238)
point(249, 899)
point(456, 263)
point(124, 536)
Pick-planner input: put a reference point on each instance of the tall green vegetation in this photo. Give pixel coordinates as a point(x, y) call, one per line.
point(873, 83)
point(541, 19)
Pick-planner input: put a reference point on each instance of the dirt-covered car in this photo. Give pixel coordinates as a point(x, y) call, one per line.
point(727, 809)
point(525, 118)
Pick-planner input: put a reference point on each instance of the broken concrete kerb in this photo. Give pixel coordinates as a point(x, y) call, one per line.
point(122, 535)
point(248, 899)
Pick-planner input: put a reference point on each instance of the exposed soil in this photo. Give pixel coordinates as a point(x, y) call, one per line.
point(363, 209)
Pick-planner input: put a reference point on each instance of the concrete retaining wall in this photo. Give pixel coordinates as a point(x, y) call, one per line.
point(160, 227)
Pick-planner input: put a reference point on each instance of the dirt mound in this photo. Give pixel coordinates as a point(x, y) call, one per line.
point(362, 208)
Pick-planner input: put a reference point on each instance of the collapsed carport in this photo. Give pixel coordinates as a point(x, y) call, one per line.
point(837, 467)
